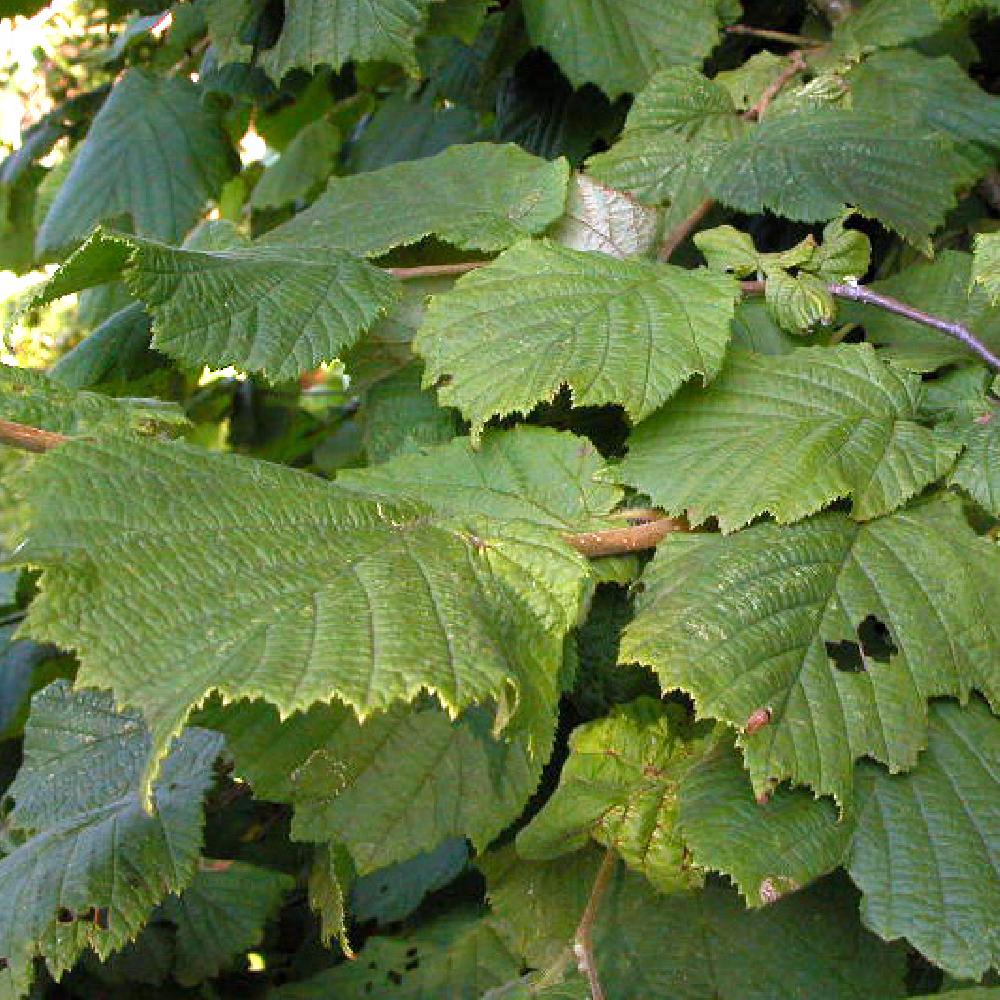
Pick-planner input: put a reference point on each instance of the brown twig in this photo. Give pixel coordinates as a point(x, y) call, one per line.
point(679, 233)
point(683, 229)
point(29, 438)
point(796, 64)
point(774, 36)
point(621, 541)
point(435, 270)
point(583, 946)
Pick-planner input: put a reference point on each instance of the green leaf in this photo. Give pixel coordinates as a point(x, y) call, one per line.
point(304, 165)
point(619, 44)
point(986, 265)
point(977, 470)
point(400, 417)
point(117, 351)
point(456, 957)
point(530, 473)
point(788, 435)
point(843, 255)
point(153, 154)
point(329, 879)
point(753, 622)
point(693, 945)
point(904, 86)
point(267, 582)
point(603, 219)
point(97, 862)
point(883, 24)
point(926, 853)
point(767, 848)
point(333, 32)
point(399, 783)
point(281, 310)
point(626, 332)
point(220, 915)
point(28, 396)
point(479, 197)
point(903, 177)
point(393, 893)
point(620, 787)
point(672, 133)
point(25, 666)
point(941, 287)
point(798, 302)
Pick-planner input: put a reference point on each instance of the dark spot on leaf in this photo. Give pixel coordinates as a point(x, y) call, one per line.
point(411, 952)
point(395, 978)
point(64, 916)
point(3, 964)
point(414, 963)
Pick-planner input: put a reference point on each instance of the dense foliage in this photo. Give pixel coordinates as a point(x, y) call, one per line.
point(515, 512)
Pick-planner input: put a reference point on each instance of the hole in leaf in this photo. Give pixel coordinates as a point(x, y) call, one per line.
point(395, 978)
point(414, 963)
point(846, 656)
point(874, 645)
point(876, 640)
point(64, 916)
point(411, 952)
point(3, 964)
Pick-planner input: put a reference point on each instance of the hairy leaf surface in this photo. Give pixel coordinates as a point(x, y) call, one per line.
point(303, 592)
point(479, 196)
point(620, 786)
point(97, 862)
point(788, 435)
point(926, 853)
point(153, 155)
point(627, 332)
point(810, 165)
point(530, 473)
point(751, 622)
point(618, 44)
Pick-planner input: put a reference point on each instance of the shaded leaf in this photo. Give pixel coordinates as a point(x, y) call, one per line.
point(153, 154)
point(619, 45)
point(926, 853)
point(769, 848)
point(97, 862)
point(456, 957)
point(220, 915)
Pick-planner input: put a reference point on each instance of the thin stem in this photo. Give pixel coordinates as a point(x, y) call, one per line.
point(621, 541)
point(960, 332)
point(435, 270)
point(683, 229)
point(29, 438)
point(583, 946)
point(796, 64)
point(774, 36)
